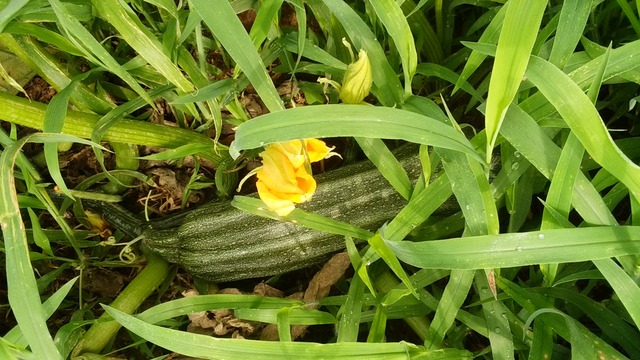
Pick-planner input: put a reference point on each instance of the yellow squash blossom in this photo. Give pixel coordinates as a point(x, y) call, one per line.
point(284, 178)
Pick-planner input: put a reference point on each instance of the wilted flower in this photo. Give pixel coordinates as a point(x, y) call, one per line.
point(284, 178)
point(357, 80)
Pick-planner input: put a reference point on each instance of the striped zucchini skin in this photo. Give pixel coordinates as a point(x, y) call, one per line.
point(218, 242)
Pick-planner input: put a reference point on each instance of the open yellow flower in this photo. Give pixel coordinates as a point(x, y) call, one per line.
point(284, 178)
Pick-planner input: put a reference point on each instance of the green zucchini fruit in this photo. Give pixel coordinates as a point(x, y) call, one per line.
point(218, 242)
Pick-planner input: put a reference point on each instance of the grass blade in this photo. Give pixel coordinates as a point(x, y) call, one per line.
point(387, 164)
point(573, 18)
point(624, 286)
point(118, 14)
point(390, 13)
point(584, 120)
point(518, 34)
point(454, 295)
point(224, 24)
point(348, 120)
point(206, 347)
point(92, 49)
point(21, 282)
point(521, 249)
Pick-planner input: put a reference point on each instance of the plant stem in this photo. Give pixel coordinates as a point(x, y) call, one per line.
point(128, 301)
point(31, 114)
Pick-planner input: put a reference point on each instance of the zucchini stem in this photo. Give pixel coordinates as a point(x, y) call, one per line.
point(142, 286)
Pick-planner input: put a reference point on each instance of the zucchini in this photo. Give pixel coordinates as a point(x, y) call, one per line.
point(218, 242)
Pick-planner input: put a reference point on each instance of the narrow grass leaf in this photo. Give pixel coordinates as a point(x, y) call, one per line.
point(179, 152)
point(581, 346)
point(265, 18)
point(391, 16)
point(531, 302)
point(39, 237)
point(226, 27)
point(581, 115)
point(626, 289)
point(175, 308)
point(387, 164)
point(495, 314)
point(45, 35)
point(517, 36)
point(348, 120)
point(378, 325)
point(521, 249)
point(208, 92)
point(54, 123)
point(139, 37)
point(91, 48)
point(532, 142)
point(378, 245)
point(9, 11)
point(419, 208)
point(610, 323)
point(452, 298)
point(441, 72)
point(350, 311)
point(626, 9)
point(560, 192)
point(543, 341)
point(295, 316)
point(572, 20)
point(50, 305)
point(471, 188)
point(207, 347)
point(311, 52)
point(489, 36)
point(282, 324)
point(21, 283)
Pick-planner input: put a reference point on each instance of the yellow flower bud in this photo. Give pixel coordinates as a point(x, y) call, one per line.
point(357, 80)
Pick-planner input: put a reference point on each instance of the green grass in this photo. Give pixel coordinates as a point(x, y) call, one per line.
point(528, 110)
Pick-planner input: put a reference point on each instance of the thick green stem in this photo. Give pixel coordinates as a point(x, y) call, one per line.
point(128, 301)
point(31, 114)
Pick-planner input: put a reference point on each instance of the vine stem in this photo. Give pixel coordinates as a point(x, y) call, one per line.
point(142, 286)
